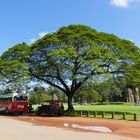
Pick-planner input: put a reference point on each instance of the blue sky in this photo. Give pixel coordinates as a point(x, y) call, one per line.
point(28, 20)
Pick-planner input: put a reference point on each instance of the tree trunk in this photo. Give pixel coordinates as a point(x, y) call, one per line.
point(136, 94)
point(70, 105)
point(130, 95)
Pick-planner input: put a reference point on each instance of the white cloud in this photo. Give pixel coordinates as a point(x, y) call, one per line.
point(123, 3)
point(40, 35)
point(33, 40)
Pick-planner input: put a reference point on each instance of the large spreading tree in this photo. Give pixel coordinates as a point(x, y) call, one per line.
point(74, 55)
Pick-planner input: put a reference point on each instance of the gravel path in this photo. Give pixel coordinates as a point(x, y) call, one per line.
point(11, 129)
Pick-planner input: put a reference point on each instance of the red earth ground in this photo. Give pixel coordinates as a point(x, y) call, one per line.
point(119, 127)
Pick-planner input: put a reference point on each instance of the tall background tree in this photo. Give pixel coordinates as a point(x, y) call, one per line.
point(133, 79)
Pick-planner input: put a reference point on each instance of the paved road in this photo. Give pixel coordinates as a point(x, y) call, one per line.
point(11, 129)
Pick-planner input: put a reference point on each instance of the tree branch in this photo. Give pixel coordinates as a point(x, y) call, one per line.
point(64, 84)
point(49, 82)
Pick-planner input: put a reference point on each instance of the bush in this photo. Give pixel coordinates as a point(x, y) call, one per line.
point(38, 98)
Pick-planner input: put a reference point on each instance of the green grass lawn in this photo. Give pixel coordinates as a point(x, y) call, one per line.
point(129, 109)
point(116, 108)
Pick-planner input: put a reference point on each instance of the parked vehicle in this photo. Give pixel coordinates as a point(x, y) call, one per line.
point(51, 108)
point(14, 103)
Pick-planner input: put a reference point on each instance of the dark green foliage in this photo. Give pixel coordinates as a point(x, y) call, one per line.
point(39, 95)
point(87, 96)
point(39, 89)
point(37, 98)
point(54, 91)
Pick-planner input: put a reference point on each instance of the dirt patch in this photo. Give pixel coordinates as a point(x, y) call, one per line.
point(118, 127)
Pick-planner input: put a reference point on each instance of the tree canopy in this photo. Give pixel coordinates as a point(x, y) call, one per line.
point(13, 64)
